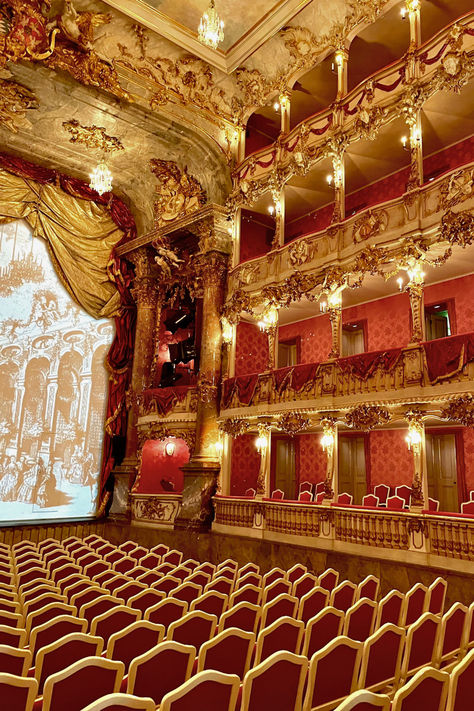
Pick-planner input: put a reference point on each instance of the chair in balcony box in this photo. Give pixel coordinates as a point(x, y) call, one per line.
point(81, 683)
point(129, 590)
point(381, 658)
point(145, 599)
point(273, 590)
point(305, 486)
point(322, 629)
point(282, 606)
point(368, 587)
point(229, 652)
point(247, 593)
point(436, 596)
point(173, 556)
point(343, 596)
point(112, 621)
point(421, 644)
point(370, 500)
point(333, 673)
point(166, 584)
point(305, 497)
point(304, 585)
point(206, 690)
point(344, 499)
point(132, 641)
point(390, 609)
point(363, 700)
point(12, 636)
point(166, 612)
point(121, 702)
point(193, 628)
point(53, 630)
point(285, 633)
point(328, 579)
point(312, 603)
point(160, 670)
point(14, 661)
point(405, 492)
point(414, 603)
point(17, 693)
point(276, 683)
point(467, 508)
point(382, 492)
point(433, 504)
point(65, 651)
point(250, 493)
point(395, 503)
point(461, 684)
point(319, 488)
point(428, 689)
point(453, 635)
point(360, 620)
point(243, 616)
point(277, 494)
point(213, 603)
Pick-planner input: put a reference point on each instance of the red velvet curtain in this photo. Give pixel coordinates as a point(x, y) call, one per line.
point(120, 356)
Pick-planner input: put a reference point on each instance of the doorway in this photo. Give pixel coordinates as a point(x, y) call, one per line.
point(352, 467)
point(284, 466)
point(441, 463)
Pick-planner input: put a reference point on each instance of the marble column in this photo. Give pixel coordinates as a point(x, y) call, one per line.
point(200, 474)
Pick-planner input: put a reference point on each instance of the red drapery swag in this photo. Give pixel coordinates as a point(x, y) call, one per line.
point(120, 355)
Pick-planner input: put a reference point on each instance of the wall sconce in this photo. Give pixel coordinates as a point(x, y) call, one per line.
point(404, 142)
point(170, 448)
point(329, 179)
point(219, 447)
point(327, 442)
point(416, 274)
point(335, 299)
point(261, 444)
point(271, 210)
point(323, 306)
point(413, 438)
point(403, 13)
point(269, 318)
point(276, 106)
point(400, 283)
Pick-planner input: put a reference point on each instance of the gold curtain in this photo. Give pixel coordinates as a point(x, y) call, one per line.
point(80, 236)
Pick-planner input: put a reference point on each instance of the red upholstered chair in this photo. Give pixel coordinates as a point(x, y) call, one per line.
point(88, 558)
point(97, 607)
point(304, 585)
point(104, 577)
point(360, 619)
point(193, 628)
point(14, 661)
point(381, 658)
point(296, 572)
point(208, 568)
point(282, 606)
point(382, 492)
point(414, 604)
point(134, 640)
point(272, 591)
point(87, 595)
point(276, 684)
point(453, 635)
point(283, 634)
point(98, 566)
point(173, 556)
point(427, 690)
point(92, 539)
point(182, 573)
point(405, 492)
point(191, 563)
point(251, 492)
point(10, 619)
point(160, 549)
point(187, 592)
point(395, 502)
point(129, 590)
point(368, 587)
point(127, 546)
point(272, 575)
point(390, 609)
point(53, 630)
point(228, 563)
point(137, 571)
point(370, 500)
point(65, 651)
point(206, 690)
point(248, 568)
point(421, 644)
point(73, 586)
point(249, 579)
point(213, 603)
point(199, 578)
point(10, 605)
point(150, 577)
point(343, 596)
point(305, 496)
point(470, 627)
point(113, 556)
point(247, 593)
point(138, 553)
point(150, 561)
point(145, 599)
point(166, 584)
point(305, 486)
point(363, 700)
point(17, 693)
point(229, 652)
point(312, 603)
point(228, 573)
point(277, 494)
point(12, 636)
point(244, 616)
point(47, 613)
point(322, 629)
point(159, 671)
point(166, 612)
point(461, 684)
point(105, 548)
point(433, 504)
point(333, 673)
point(33, 573)
point(81, 683)
point(121, 702)
point(344, 499)
point(329, 579)
point(467, 507)
point(111, 621)
point(222, 585)
point(114, 583)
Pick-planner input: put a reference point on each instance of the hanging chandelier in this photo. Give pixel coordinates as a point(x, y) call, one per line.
point(211, 27)
point(101, 179)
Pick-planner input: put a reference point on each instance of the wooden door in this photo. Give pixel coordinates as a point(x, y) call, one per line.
point(442, 470)
point(285, 469)
point(351, 464)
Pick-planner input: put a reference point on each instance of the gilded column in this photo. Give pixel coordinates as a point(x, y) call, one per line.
point(341, 59)
point(284, 100)
point(339, 188)
point(416, 441)
point(415, 291)
point(329, 445)
point(264, 442)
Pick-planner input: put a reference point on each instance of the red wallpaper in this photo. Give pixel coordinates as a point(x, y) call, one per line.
point(315, 334)
point(468, 439)
point(255, 237)
point(245, 465)
point(391, 462)
point(388, 321)
point(157, 465)
point(311, 460)
point(309, 223)
point(450, 158)
point(462, 291)
point(388, 188)
point(251, 351)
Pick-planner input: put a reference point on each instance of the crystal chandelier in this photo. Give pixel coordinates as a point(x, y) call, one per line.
point(101, 179)
point(211, 27)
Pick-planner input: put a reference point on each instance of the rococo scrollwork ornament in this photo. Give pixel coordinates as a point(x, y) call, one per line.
point(206, 388)
point(460, 409)
point(92, 137)
point(292, 423)
point(15, 100)
point(366, 417)
point(234, 426)
point(458, 227)
point(177, 192)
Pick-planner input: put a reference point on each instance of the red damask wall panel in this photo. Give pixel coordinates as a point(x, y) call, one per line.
point(157, 466)
point(391, 462)
point(462, 291)
point(315, 334)
point(309, 223)
point(468, 438)
point(388, 321)
point(311, 462)
point(255, 237)
point(245, 465)
point(449, 158)
point(383, 190)
point(251, 353)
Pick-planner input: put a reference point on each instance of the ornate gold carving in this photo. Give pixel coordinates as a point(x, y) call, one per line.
point(15, 100)
point(207, 388)
point(211, 267)
point(92, 137)
point(239, 302)
point(366, 417)
point(460, 409)
point(235, 426)
point(177, 193)
point(157, 430)
point(291, 423)
point(458, 227)
point(299, 253)
point(154, 508)
point(457, 187)
point(371, 223)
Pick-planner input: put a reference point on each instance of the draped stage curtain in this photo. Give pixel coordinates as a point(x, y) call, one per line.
point(82, 230)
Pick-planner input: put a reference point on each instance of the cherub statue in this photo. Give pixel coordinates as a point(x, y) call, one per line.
point(78, 27)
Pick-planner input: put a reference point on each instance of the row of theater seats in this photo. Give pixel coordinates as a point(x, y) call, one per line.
point(312, 629)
